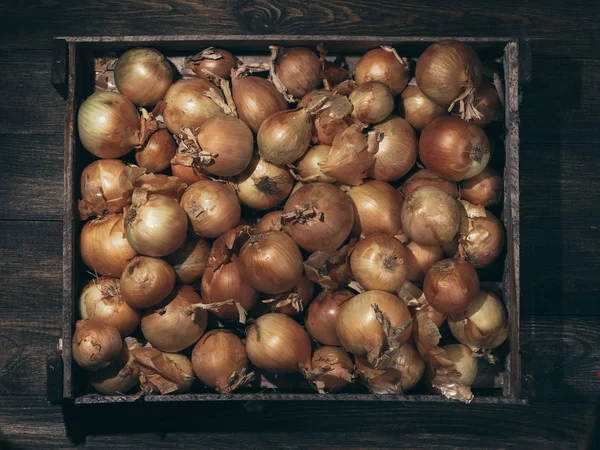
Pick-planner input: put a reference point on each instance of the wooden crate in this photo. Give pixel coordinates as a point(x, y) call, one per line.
point(73, 77)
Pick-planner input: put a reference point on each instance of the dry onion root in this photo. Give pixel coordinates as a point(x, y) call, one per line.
point(164, 373)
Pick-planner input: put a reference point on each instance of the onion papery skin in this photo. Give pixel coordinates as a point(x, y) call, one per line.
point(143, 75)
point(378, 208)
point(322, 315)
point(454, 149)
point(425, 177)
point(417, 109)
point(451, 285)
point(373, 101)
point(284, 136)
point(338, 367)
point(95, 344)
point(215, 60)
point(309, 166)
point(187, 106)
point(212, 208)
point(263, 185)
point(156, 155)
point(487, 104)
point(161, 184)
point(104, 246)
point(464, 362)
point(164, 373)
point(169, 326)
point(256, 99)
point(483, 243)
point(277, 343)
point(109, 125)
point(397, 152)
point(293, 302)
point(189, 261)
point(189, 175)
point(329, 220)
point(421, 258)
point(485, 188)
point(299, 69)
point(383, 66)
point(146, 281)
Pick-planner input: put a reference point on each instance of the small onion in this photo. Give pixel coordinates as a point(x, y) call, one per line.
point(378, 208)
point(318, 216)
point(421, 258)
point(373, 101)
point(380, 262)
point(425, 177)
point(309, 166)
point(285, 136)
point(156, 225)
point(188, 106)
point(165, 373)
point(101, 300)
point(269, 222)
point(332, 368)
point(170, 326)
point(383, 65)
point(417, 109)
point(322, 315)
point(487, 103)
point(271, 262)
point(220, 361)
point(277, 343)
point(454, 149)
point(156, 155)
point(215, 60)
point(397, 151)
point(146, 281)
point(451, 285)
point(161, 184)
point(256, 99)
point(121, 376)
point(294, 301)
point(430, 216)
point(299, 69)
point(360, 332)
point(483, 242)
point(464, 361)
point(188, 175)
point(212, 208)
point(104, 246)
point(95, 344)
point(485, 189)
point(143, 75)
point(189, 260)
point(263, 185)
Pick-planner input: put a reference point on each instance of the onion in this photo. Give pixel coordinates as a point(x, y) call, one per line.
point(383, 65)
point(322, 314)
point(101, 300)
point(263, 185)
point(436, 317)
point(454, 149)
point(360, 330)
point(215, 60)
point(212, 208)
point(332, 369)
point(484, 189)
point(104, 247)
point(403, 374)
point(397, 151)
point(277, 343)
point(189, 260)
point(121, 376)
point(106, 186)
point(309, 166)
point(464, 362)
point(421, 258)
point(416, 108)
point(318, 216)
point(373, 101)
point(165, 373)
point(157, 153)
point(294, 301)
point(430, 216)
point(156, 225)
point(271, 262)
point(487, 103)
point(451, 285)
point(483, 240)
point(160, 184)
point(331, 269)
point(143, 75)
point(146, 281)
point(170, 326)
point(449, 72)
point(297, 68)
point(425, 177)
point(378, 207)
point(380, 262)
point(95, 344)
point(333, 117)
point(256, 99)
point(220, 361)
point(269, 222)
point(189, 103)
point(188, 175)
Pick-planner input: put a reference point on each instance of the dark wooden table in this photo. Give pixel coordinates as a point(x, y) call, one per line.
point(560, 189)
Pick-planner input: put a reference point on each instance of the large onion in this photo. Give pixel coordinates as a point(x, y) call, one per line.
point(215, 60)
point(383, 65)
point(373, 101)
point(189, 260)
point(416, 108)
point(157, 153)
point(95, 344)
point(298, 69)
point(421, 258)
point(322, 315)
point(378, 208)
point(483, 189)
point(451, 285)
point(146, 281)
point(309, 166)
point(397, 151)
point(425, 177)
point(318, 216)
point(332, 369)
point(121, 376)
point(294, 301)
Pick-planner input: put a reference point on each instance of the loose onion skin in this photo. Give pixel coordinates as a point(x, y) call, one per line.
point(464, 361)
point(337, 367)
point(104, 246)
point(156, 155)
point(161, 184)
point(187, 105)
point(299, 69)
point(380, 262)
point(454, 149)
point(263, 185)
point(451, 285)
point(189, 175)
point(421, 258)
point(95, 344)
point(309, 166)
point(487, 104)
point(417, 109)
point(485, 189)
point(215, 60)
point(101, 300)
point(397, 152)
point(425, 177)
point(322, 315)
point(256, 99)
point(169, 326)
point(226, 283)
point(271, 262)
point(284, 136)
point(383, 65)
point(318, 216)
point(146, 281)
point(164, 373)
point(189, 260)
point(483, 242)
point(269, 222)
point(278, 344)
point(373, 101)
point(378, 208)
point(430, 216)
point(121, 376)
point(212, 208)
point(293, 302)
